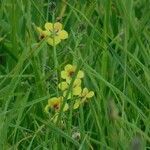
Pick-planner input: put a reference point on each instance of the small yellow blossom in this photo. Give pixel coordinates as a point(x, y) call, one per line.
point(86, 94)
point(69, 72)
point(56, 33)
point(55, 104)
point(76, 88)
point(63, 86)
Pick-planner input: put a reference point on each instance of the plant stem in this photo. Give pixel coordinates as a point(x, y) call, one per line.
point(55, 54)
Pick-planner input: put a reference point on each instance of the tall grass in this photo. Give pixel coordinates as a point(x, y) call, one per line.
point(109, 40)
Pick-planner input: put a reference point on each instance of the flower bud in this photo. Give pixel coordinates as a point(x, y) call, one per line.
point(52, 6)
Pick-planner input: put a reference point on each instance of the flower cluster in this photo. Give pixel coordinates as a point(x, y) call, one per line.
point(71, 90)
point(53, 33)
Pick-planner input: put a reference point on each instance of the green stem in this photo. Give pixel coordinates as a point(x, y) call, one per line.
point(55, 53)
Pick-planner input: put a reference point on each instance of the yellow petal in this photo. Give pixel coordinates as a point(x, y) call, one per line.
point(80, 74)
point(63, 34)
point(68, 79)
point(50, 101)
point(84, 92)
point(48, 26)
point(63, 86)
point(77, 90)
point(39, 29)
point(90, 94)
point(45, 33)
point(77, 82)
point(77, 104)
point(54, 41)
point(65, 93)
point(54, 118)
point(53, 101)
point(57, 26)
point(46, 109)
point(68, 67)
point(57, 40)
point(50, 41)
point(63, 75)
point(66, 107)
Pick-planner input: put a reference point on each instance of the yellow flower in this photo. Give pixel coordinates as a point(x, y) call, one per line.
point(56, 33)
point(86, 94)
point(63, 86)
point(76, 88)
point(55, 104)
point(69, 72)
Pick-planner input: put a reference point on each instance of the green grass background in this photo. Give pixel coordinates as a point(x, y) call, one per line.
point(110, 41)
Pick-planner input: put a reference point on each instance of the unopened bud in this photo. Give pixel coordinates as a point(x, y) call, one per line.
point(136, 143)
point(52, 6)
point(76, 136)
point(112, 110)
